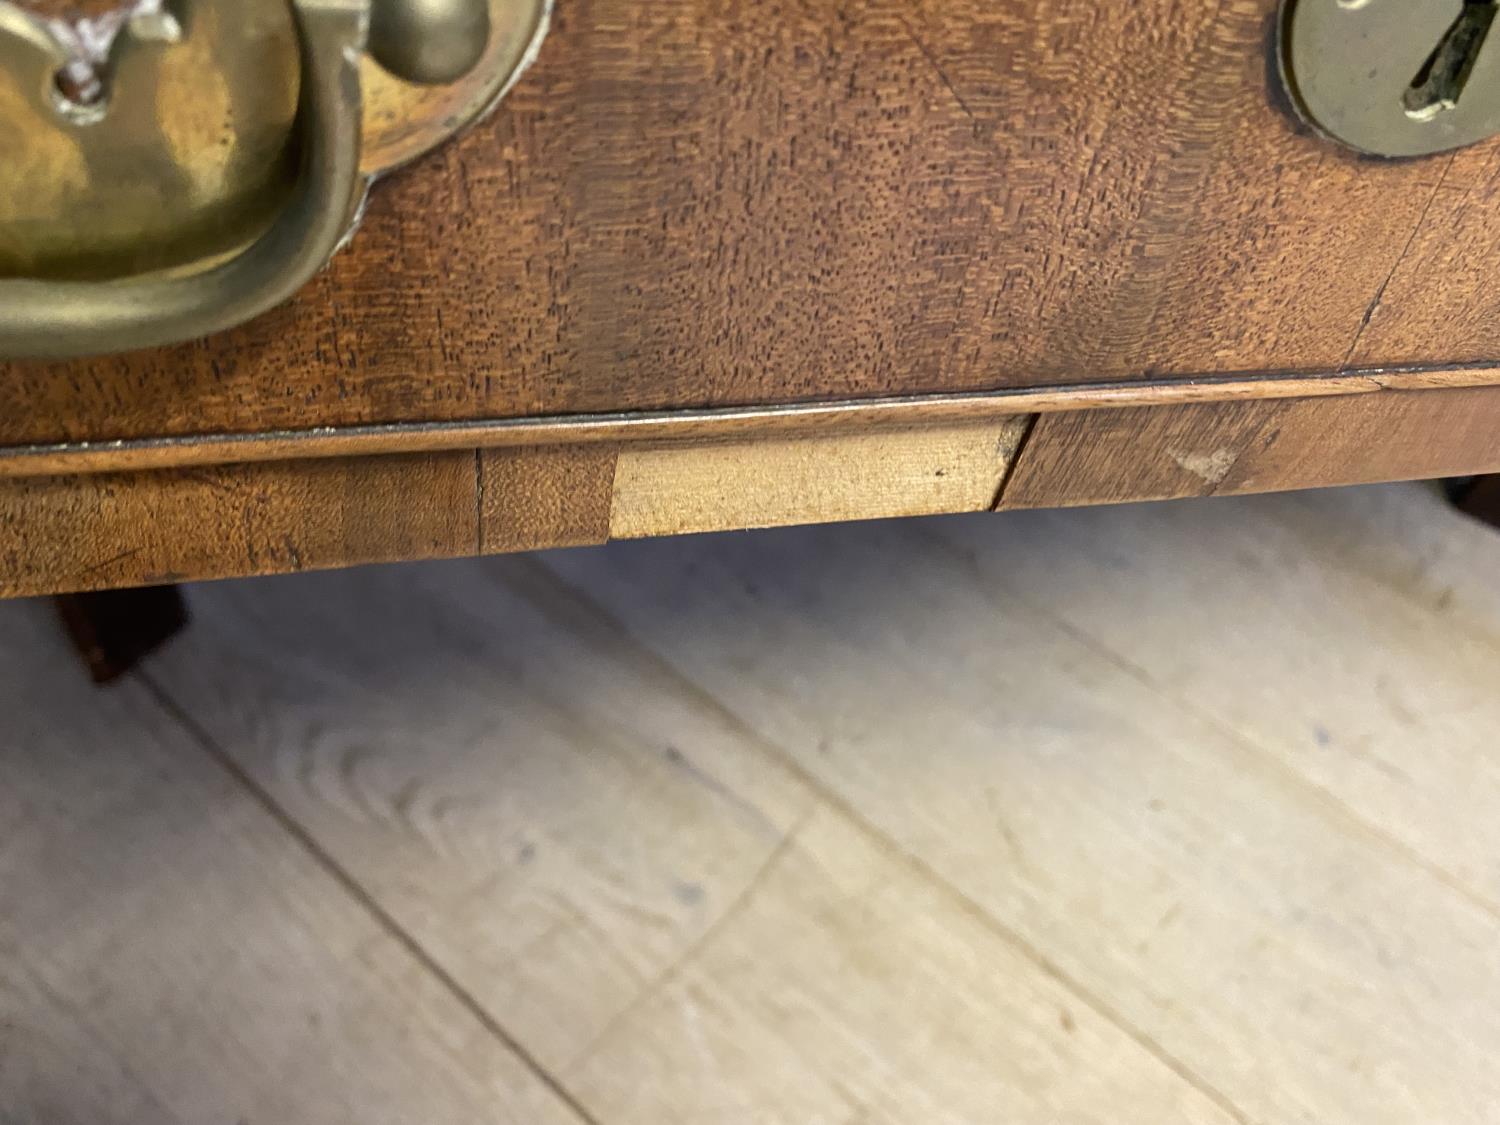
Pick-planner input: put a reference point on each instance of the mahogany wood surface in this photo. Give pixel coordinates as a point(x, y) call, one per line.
point(1110, 456)
point(65, 534)
point(549, 496)
point(105, 530)
point(693, 203)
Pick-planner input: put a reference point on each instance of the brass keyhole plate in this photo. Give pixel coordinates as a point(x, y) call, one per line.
point(1393, 77)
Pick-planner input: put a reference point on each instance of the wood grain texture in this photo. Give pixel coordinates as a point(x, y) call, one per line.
point(1114, 816)
point(171, 955)
point(1398, 437)
point(545, 496)
point(1435, 299)
point(675, 489)
point(605, 860)
point(1243, 897)
point(61, 534)
point(841, 936)
point(1350, 636)
point(680, 206)
point(1113, 456)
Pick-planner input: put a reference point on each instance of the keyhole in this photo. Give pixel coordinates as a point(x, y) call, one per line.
point(1440, 82)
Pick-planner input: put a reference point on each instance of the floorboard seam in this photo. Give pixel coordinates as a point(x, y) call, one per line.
point(736, 907)
point(777, 757)
point(351, 886)
point(1269, 762)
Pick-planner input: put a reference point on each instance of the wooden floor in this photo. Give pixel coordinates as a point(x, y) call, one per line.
point(1168, 813)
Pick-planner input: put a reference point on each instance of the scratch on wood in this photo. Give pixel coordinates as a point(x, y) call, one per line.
point(121, 557)
point(938, 69)
point(1374, 305)
point(673, 970)
point(479, 501)
point(1008, 471)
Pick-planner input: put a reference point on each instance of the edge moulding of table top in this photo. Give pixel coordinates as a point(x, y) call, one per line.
point(101, 529)
point(706, 271)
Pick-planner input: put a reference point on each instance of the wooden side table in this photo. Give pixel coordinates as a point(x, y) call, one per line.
point(721, 266)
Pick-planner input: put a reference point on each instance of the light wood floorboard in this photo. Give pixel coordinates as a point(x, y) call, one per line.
point(169, 952)
point(1165, 813)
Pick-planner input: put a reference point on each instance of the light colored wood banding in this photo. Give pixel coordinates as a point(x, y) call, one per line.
point(772, 482)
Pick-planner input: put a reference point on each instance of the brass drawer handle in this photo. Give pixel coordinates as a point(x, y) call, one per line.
point(78, 278)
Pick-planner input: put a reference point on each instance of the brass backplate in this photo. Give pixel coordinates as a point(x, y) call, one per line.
point(170, 168)
point(404, 120)
point(1393, 77)
point(194, 150)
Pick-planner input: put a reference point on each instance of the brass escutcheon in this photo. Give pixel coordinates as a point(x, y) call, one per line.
point(1393, 77)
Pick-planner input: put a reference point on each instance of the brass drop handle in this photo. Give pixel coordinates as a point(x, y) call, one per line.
point(90, 259)
point(429, 40)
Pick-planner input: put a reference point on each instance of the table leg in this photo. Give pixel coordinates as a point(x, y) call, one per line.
point(112, 630)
